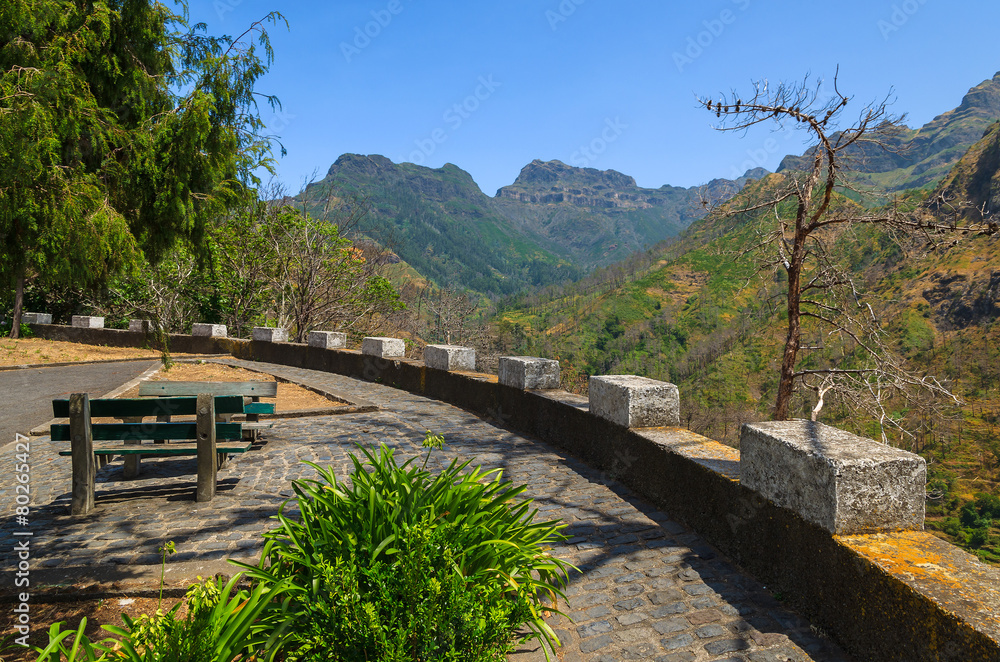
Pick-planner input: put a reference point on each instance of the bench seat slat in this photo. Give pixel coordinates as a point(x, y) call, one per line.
point(264, 425)
point(260, 389)
point(163, 449)
point(140, 431)
point(176, 406)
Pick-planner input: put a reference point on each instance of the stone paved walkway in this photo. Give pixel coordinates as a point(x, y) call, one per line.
point(649, 588)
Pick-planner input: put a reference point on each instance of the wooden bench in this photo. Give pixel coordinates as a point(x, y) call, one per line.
point(253, 391)
point(205, 432)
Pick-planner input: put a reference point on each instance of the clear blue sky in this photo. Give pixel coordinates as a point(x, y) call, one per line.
point(490, 86)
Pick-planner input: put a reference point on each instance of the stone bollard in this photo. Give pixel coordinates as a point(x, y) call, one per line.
point(327, 339)
point(36, 318)
point(384, 348)
point(269, 334)
point(87, 322)
point(450, 357)
point(140, 326)
point(209, 330)
point(528, 372)
point(634, 402)
point(842, 482)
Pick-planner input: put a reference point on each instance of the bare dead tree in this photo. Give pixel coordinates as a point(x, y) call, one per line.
point(322, 278)
point(801, 216)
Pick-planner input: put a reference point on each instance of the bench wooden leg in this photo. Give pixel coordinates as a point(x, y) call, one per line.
point(253, 418)
point(207, 467)
point(82, 446)
point(131, 461)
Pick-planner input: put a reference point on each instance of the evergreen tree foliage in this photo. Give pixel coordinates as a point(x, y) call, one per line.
point(123, 130)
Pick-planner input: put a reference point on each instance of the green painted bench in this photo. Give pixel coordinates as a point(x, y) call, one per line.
point(252, 391)
point(209, 440)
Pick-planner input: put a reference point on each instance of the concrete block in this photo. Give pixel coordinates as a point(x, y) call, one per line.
point(270, 334)
point(327, 339)
point(635, 402)
point(36, 318)
point(844, 483)
point(87, 322)
point(384, 348)
point(450, 357)
point(528, 372)
point(209, 330)
point(140, 326)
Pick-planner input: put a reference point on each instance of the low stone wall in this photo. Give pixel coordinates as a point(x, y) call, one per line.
point(905, 596)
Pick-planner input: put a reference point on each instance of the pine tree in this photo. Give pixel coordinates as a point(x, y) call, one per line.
point(123, 130)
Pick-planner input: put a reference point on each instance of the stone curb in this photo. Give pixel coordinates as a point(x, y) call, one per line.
point(64, 364)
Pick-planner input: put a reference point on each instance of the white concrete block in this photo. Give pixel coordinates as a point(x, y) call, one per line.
point(450, 357)
point(634, 402)
point(87, 322)
point(385, 348)
point(528, 372)
point(36, 318)
point(842, 482)
point(209, 330)
point(327, 339)
point(270, 334)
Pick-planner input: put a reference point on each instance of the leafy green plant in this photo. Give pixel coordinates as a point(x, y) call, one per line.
point(77, 649)
point(415, 608)
point(221, 625)
point(167, 548)
point(374, 527)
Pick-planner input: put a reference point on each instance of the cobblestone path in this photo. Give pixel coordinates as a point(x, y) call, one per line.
point(649, 589)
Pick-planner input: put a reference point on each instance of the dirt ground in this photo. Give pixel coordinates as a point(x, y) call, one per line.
point(32, 351)
point(103, 611)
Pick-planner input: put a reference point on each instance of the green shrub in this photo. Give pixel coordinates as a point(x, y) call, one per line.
point(397, 530)
point(952, 527)
point(221, 625)
point(979, 537)
point(416, 608)
point(988, 505)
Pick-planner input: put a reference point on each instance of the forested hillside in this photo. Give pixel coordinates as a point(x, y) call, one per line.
point(553, 225)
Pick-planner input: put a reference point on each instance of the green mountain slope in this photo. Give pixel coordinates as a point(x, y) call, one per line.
point(439, 222)
point(600, 217)
point(554, 224)
point(921, 157)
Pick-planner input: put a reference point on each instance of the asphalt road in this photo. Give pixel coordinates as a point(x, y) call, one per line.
point(26, 395)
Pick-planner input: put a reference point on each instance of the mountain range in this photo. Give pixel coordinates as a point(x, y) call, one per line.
point(554, 223)
point(918, 158)
point(557, 222)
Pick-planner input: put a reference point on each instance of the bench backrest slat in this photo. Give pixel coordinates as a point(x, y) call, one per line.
point(260, 389)
point(120, 408)
point(258, 408)
point(140, 431)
